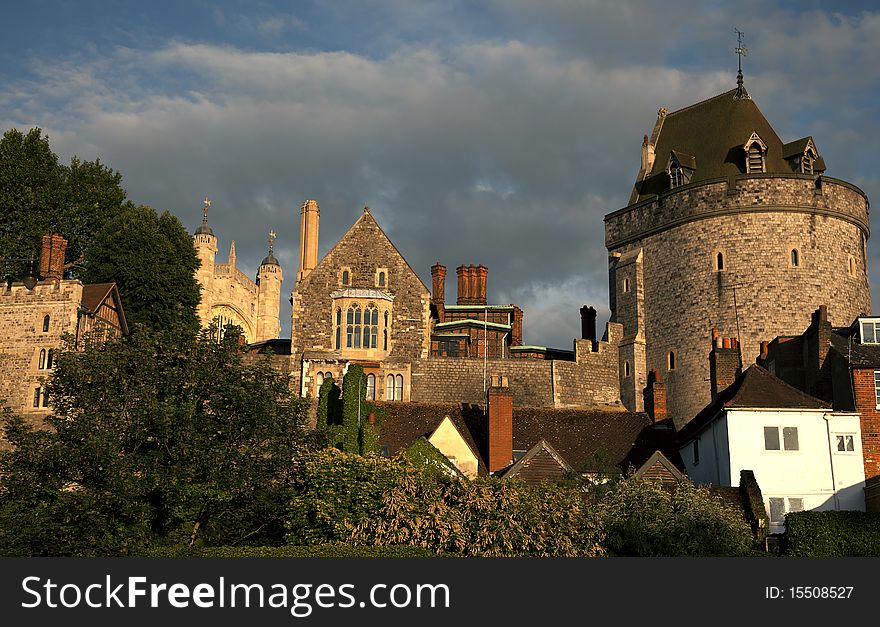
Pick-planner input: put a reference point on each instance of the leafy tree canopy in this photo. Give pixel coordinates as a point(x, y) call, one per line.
point(161, 438)
point(39, 195)
point(152, 260)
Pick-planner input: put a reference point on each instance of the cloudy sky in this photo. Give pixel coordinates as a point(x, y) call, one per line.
point(496, 132)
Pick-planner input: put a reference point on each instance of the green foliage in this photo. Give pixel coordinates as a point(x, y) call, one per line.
point(756, 514)
point(831, 534)
point(424, 455)
point(357, 435)
point(486, 517)
point(316, 550)
point(152, 260)
point(336, 489)
point(39, 196)
point(643, 519)
point(158, 438)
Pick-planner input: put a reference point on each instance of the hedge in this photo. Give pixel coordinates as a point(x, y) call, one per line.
point(317, 550)
point(831, 534)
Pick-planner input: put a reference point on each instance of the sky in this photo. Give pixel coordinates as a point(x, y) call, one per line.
point(495, 132)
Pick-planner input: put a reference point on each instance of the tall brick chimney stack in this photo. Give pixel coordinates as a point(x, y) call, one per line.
point(499, 400)
point(52, 250)
point(655, 396)
point(588, 325)
point(819, 372)
point(438, 289)
point(725, 362)
point(479, 294)
point(472, 284)
point(464, 286)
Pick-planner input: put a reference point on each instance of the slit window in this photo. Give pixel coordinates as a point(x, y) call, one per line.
point(670, 360)
point(719, 262)
point(795, 258)
point(626, 285)
point(626, 368)
point(46, 323)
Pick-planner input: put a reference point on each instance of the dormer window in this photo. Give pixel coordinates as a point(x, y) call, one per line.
point(680, 168)
point(870, 330)
point(756, 151)
point(803, 157)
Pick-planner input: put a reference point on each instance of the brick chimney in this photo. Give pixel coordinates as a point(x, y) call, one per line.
point(499, 401)
point(818, 373)
point(516, 337)
point(472, 284)
point(588, 325)
point(52, 250)
point(479, 294)
point(655, 396)
point(725, 362)
point(464, 287)
point(438, 288)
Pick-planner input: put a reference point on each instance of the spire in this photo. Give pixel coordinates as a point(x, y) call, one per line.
point(204, 229)
point(232, 254)
point(207, 205)
point(271, 240)
point(741, 51)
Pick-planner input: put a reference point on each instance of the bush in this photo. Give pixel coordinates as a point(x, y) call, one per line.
point(831, 534)
point(642, 519)
point(320, 550)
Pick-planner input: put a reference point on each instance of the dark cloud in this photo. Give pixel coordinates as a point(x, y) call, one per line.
point(505, 151)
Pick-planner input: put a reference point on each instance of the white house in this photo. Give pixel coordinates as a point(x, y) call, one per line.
point(804, 455)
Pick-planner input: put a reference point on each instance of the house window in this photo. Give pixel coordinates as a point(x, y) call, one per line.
point(845, 443)
point(870, 331)
point(719, 262)
point(795, 258)
point(46, 323)
point(670, 360)
point(789, 439)
point(394, 387)
point(696, 452)
point(371, 387)
point(778, 508)
point(877, 387)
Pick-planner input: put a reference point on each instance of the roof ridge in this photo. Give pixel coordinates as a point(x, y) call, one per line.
point(701, 102)
point(761, 371)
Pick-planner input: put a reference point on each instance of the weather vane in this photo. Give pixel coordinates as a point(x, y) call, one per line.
point(741, 51)
point(207, 204)
point(271, 240)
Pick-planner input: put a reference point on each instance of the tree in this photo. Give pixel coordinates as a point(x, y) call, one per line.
point(357, 433)
point(39, 195)
point(161, 438)
point(152, 260)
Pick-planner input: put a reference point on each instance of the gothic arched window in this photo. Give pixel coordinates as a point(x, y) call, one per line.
point(49, 358)
point(46, 323)
point(398, 387)
point(353, 327)
point(42, 364)
point(371, 326)
point(389, 387)
point(371, 387)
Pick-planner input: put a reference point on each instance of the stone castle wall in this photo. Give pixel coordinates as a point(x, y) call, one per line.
point(754, 221)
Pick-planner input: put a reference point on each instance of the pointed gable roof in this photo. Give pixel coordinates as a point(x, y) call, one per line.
point(541, 463)
point(712, 132)
point(753, 389)
point(94, 295)
point(365, 222)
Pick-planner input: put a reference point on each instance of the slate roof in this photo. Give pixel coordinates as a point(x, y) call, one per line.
point(754, 389)
point(854, 352)
point(588, 440)
point(712, 132)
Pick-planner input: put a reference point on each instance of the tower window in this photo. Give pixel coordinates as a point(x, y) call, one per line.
point(42, 364)
point(46, 323)
point(795, 258)
point(719, 262)
point(851, 266)
point(626, 285)
point(670, 360)
point(626, 368)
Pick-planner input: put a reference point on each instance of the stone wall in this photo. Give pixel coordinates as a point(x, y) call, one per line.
point(22, 313)
point(754, 221)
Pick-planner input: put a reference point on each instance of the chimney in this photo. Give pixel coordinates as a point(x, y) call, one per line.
point(472, 284)
point(819, 373)
point(516, 337)
point(438, 283)
point(588, 325)
point(463, 286)
point(655, 397)
point(479, 293)
point(52, 250)
point(725, 363)
point(499, 401)
point(310, 215)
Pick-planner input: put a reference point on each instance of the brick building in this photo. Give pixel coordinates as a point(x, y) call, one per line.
point(729, 227)
point(33, 323)
point(363, 303)
point(229, 296)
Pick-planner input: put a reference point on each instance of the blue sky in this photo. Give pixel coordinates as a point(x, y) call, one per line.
point(495, 132)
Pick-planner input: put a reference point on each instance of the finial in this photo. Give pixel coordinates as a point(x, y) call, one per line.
point(366, 209)
point(741, 51)
point(207, 204)
point(271, 240)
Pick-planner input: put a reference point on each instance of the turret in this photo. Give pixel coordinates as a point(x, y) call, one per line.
point(205, 243)
point(269, 279)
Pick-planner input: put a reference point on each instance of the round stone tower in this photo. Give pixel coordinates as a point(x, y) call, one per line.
point(269, 278)
point(727, 227)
